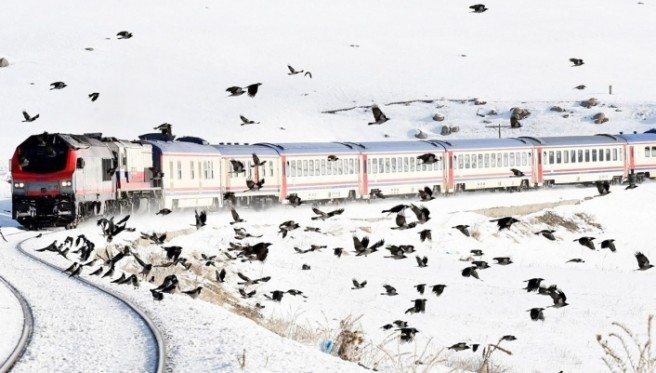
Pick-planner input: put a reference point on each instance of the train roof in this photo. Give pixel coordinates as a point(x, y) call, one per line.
point(245, 150)
point(312, 147)
point(399, 146)
point(475, 144)
point(638, 137)
point(181, 147)
point(601, 139)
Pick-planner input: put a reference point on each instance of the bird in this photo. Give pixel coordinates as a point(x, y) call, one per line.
point(237, 167)
point(305, 267)
point(252, 89)
point(245, 121)
point(420, 288)
point(323, 216)
point(332, 158)
point(377, 193)
point(396, 209)
point(220, 276)
point(235, 91)
point(419, 306)
point(580, 87)
point(94, 96)
point(246, 295)
point(461, 346)
point(505, 223)
point(230, 196)
point(558, 297)
point(478, 8)
point(29, 118)
point(603, 187)
point(276, 295)
point(157, 296)
point(379, 116)
point(575, 260)
point(201, 219)
point(631, 185)
point(307, 73)
point(503, 260)
point(463, 229)
point(480, 264)
point(509, 338)
point(294, 200)
point(587, 242)
point(164, 211)
point(194, 293)
point(425, 235)
point(533, 284)
point(57, 85)
point(165, 129)
point(643, 262)
point(396, 251)
point(470, 272)
point(547, 233)
point(422, 262)
point(476, 252)
point(362, 246)
point(358, 285)
point(426, 194)
point(124, 35)
point(338, 252)
point(576, 61)
point(293, 71)
point(517, 172)
point(407, 334)
point(422, 213)
point(389, 290)
point(254, 186)
point(256, 161)
point(428, 158)
point(438, 289)
point(536, 314)
point(608, 244)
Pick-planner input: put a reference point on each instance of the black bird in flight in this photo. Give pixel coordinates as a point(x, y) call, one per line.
point(517, 172)
point(438, 289)
point(323, 216)
point(428, 158)
point(362, 246)
point(558, 298)
point(536, 314)
point(379, 116)
point(643, 262)
point(194, 293)
point(29, 118)
point(533, 284)
point(201, 219)
point(407, 334)
point(57, 85)
point(294, 200)
point(425, 235)
point(422, 262)
point(389, 290)
point(293, 71)
point(608, 244)
point(220, 276)
point(587, 242)
point(396, 209)
point(547, 233)
point(476, 252)
point(470, 272)
point(235, 91)
point(580, 87)
point(253, 186)
point(163, 211)
point(461, 346)
point(246, 121)
point(576, 61)
point(478, 8)
point(420, 288)
point(422, 213)
point(332, 158)
point(124, 35)
point(237, 167)
point(165, 128)
point(426, 194)
point(503, 260)
point(256, 161)
point(419, 306)
point(358, 285)
point(464, 229)
point(94, 96)
point(505, 223)
point(252, 89)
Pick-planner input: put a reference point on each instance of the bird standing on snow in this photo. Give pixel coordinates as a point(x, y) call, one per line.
point(164, 211)
point(379, 116)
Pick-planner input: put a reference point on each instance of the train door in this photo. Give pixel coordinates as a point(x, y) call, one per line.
point(363, 179)
point(448, 171)
point(538, 176)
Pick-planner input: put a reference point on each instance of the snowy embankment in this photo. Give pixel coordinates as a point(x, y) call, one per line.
point(12, 322)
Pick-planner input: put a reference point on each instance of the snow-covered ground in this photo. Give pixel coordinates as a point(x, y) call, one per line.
point(183, 56)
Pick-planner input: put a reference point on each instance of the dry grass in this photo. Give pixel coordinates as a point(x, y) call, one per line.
point(552, 219)
point(589, 220)
point(625, 352)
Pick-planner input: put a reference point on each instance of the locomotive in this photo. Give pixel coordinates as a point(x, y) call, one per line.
point(60, 179)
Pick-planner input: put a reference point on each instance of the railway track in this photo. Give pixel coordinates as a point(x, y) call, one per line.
point(135, 342)
point(26, 332)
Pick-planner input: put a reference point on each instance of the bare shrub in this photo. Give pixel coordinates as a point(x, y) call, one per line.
point(552, 219)
point(589, 103)
point(349, 341)
point(625, 352)
point(600, 118)
point(589, 220)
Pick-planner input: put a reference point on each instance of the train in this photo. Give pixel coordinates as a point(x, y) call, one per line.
point(61, 179)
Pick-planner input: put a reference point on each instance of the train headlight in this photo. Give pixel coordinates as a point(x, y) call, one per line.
point(66, 183)
point(19, 185)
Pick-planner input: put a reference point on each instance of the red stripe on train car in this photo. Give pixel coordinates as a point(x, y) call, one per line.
point(283, 178)
point(365, 177)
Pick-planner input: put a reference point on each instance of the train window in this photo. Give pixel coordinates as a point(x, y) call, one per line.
point(179, 164)
point(352, 166)
point(316, 168)
point(647, 153)
point(559, 158)
point(525, 159)
point(512, 159)
point(487, 160)
point(193, 171)
point(107, 169)
point(580, 153)
point(399, 164)
point(393, 169)
point(381, 165)
point(551, 157)
point(545, 159)
point(573, 156)
point(292, 168)
point(493, 160)
point(565, 156)
point(505, 159)
point(459, 161)
point(323, 167)
point(466, 160)
point(607, 155)
point(311, 168)
point(411, 161)
point(601, 155)
point(368, 166)
point(374, 165)
point(594, 155)
point(480, 161)
point(587, 155)
point(304, 169)
point(406, 164)
point(653, 151)
point(340, 167)
point(473, 161)
point(329, 168)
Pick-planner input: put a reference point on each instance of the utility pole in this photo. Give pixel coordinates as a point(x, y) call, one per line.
point(499, 127)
